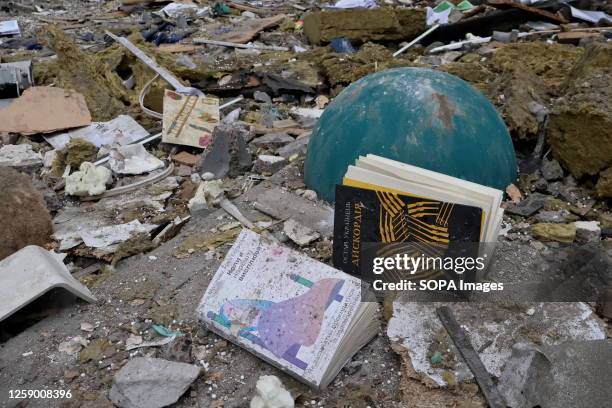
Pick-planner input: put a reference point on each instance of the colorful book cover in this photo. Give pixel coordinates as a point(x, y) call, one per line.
point(284, 307)
point(365, 216)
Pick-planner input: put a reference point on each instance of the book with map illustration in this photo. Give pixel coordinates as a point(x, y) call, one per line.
point(294, 312)
point(388, 202)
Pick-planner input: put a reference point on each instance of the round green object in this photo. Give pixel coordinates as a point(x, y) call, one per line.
point(422, 117)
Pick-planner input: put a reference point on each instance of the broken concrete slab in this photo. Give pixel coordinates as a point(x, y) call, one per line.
point(31, 272)
point(44, 109)
point(298, 233)
point(492, 328)
point(363, 25)
point(20, 157)
point(207, 196)
point(273, 140)
point(151, 383)
point(267, 164)
point(528, 206)
point(298, 147)
point(573, 374)
point(106, 237)
point(282, 204)
point(587, 231)
point(228, 153)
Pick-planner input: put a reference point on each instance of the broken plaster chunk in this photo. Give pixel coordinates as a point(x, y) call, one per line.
point(267, 164)
point(587, 231)
point(19, 156)
point(299, 233)
point(151, 383)
point(88, 181)
point(208, 195)
point(133, 159)
point(270, 393)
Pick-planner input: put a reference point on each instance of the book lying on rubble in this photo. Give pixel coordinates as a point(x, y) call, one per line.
point(387, 202)
point(294, 312)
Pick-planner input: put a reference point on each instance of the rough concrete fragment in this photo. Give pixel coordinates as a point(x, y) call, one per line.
point(574, 374)
point(25, 218)
point(228, 153)
point(416, 330)
point(282, 204)
point(554, 232)
point(587, 231)
point(20, 157)
point(267, 164)
point(270, 393)
point(89, 180)
point(580, 122)
point(151, 383)
point(299, 146)
point(363, 25)
point(604, 184)
point(208, 195)
point(551, 170)
point(528, 206)
point(299, 233)
point(272, 140)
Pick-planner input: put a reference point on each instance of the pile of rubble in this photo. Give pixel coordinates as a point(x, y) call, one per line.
point(138, 137)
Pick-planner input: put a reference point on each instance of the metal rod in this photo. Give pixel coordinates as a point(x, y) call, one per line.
point(416, 40)
point(148, 61)
point(237, 45)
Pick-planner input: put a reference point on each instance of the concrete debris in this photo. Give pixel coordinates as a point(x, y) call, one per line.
point(106, 237)
point(273, 140)
point(207, 196)
point(20, 157)
point(133, 159)
point(89, 180)
point(166, 128)
point(282, 205)
point(565, 375)
point(268, 165)
point(415, 328)
point(151, 383)
point(299, 233)
point(228, 154)
point(551, 170)
point(587, 231)
point(270, 393)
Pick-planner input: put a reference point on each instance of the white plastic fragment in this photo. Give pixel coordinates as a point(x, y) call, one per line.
point(89, 180)
point(270, 393)
point(133, 159)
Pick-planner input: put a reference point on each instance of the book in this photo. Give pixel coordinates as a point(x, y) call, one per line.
point(298, 314)
point(386, 201)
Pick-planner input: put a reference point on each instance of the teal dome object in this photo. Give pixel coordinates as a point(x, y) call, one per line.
point(418, 116)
